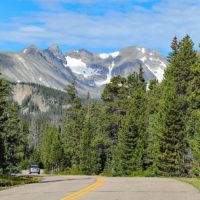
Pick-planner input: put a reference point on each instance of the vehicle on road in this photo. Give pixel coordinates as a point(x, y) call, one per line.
point(34, 169)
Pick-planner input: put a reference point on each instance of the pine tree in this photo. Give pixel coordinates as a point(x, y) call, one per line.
point(50, 149)
point(152, 145)
point(102, 143)
point(4, 92)
point(123, 163)
point(141, 74)
point(114, 97)
point(175, 47)
point(115, 105)
point(11, 137)
point(129, 152)
point(193, 123)
point(174, 147)
point(72, 128)
point(88, 154)
point(172, 138)
point(180, 68)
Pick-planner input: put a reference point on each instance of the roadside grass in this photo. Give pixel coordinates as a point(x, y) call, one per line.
point(192, 181)
point(11, 181)
point(107, 173)
point(133, 174)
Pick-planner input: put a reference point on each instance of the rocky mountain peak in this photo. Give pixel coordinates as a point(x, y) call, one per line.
point(54, 48)
point(32, 49)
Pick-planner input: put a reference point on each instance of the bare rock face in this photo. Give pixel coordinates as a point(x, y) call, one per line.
point(90, 71)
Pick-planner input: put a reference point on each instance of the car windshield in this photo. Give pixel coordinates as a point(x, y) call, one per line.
point(34, 166)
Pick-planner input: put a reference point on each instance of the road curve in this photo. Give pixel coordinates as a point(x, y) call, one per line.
point(143, 189)
point(94, 188)
point(50, 188)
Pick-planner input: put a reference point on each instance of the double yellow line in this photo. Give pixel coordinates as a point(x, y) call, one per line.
point(86, 190)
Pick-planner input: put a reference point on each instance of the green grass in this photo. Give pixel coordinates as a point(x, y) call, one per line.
point(192, 181)
point(11, 181)
point(133, 174)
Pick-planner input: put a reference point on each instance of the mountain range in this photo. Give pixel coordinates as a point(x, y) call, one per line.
point(89, 71)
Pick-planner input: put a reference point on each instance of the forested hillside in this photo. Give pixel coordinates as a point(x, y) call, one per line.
point(136, 129)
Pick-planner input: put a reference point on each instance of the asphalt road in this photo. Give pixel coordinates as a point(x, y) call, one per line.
point(94, 188)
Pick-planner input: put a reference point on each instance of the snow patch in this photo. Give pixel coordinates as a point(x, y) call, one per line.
point(147, 86)
point(25, 50)
point(109, 76)
point(115, 54)
point(163, 64)
point(143, 50)
point(73, 62)
point(158, 73)
point(104, 55)
point(159, 67)
point(143, 59)
point(107, 55)
point(79, 67)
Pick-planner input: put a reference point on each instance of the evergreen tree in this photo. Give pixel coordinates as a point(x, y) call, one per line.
point(114, 97)
point(193, 123)
point(123, 162)
point(175, 47)
point(152, 145)
point(102, 143)
point(141, 74)
point(11, 137)
point(4, 92)
point(174, 146)
point(115, 105)
point(72, 128)
point(50, 149)
point(129, 152)
point(180, 68)
point(172, 138)
point(88, 155)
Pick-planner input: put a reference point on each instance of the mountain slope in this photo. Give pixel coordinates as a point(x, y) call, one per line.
point(32, 97)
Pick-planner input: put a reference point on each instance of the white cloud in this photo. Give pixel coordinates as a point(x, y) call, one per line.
point(31, 29)
point(152, 28)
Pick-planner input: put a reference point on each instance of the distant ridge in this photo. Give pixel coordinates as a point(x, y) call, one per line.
point(90, 71)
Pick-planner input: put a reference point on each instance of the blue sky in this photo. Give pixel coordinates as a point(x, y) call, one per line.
point(97, 25)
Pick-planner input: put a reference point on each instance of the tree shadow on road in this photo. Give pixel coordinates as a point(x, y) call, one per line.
point(67, 179)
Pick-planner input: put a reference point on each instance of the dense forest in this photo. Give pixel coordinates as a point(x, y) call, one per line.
point(138, 128)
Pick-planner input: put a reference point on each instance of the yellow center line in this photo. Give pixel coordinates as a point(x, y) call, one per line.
point(86, 190)
point(83, 190)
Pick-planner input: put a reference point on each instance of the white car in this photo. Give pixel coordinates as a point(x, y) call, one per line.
point(34, 169)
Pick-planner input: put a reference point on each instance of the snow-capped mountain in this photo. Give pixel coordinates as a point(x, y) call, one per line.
point(102, 67)
point(90, 71)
